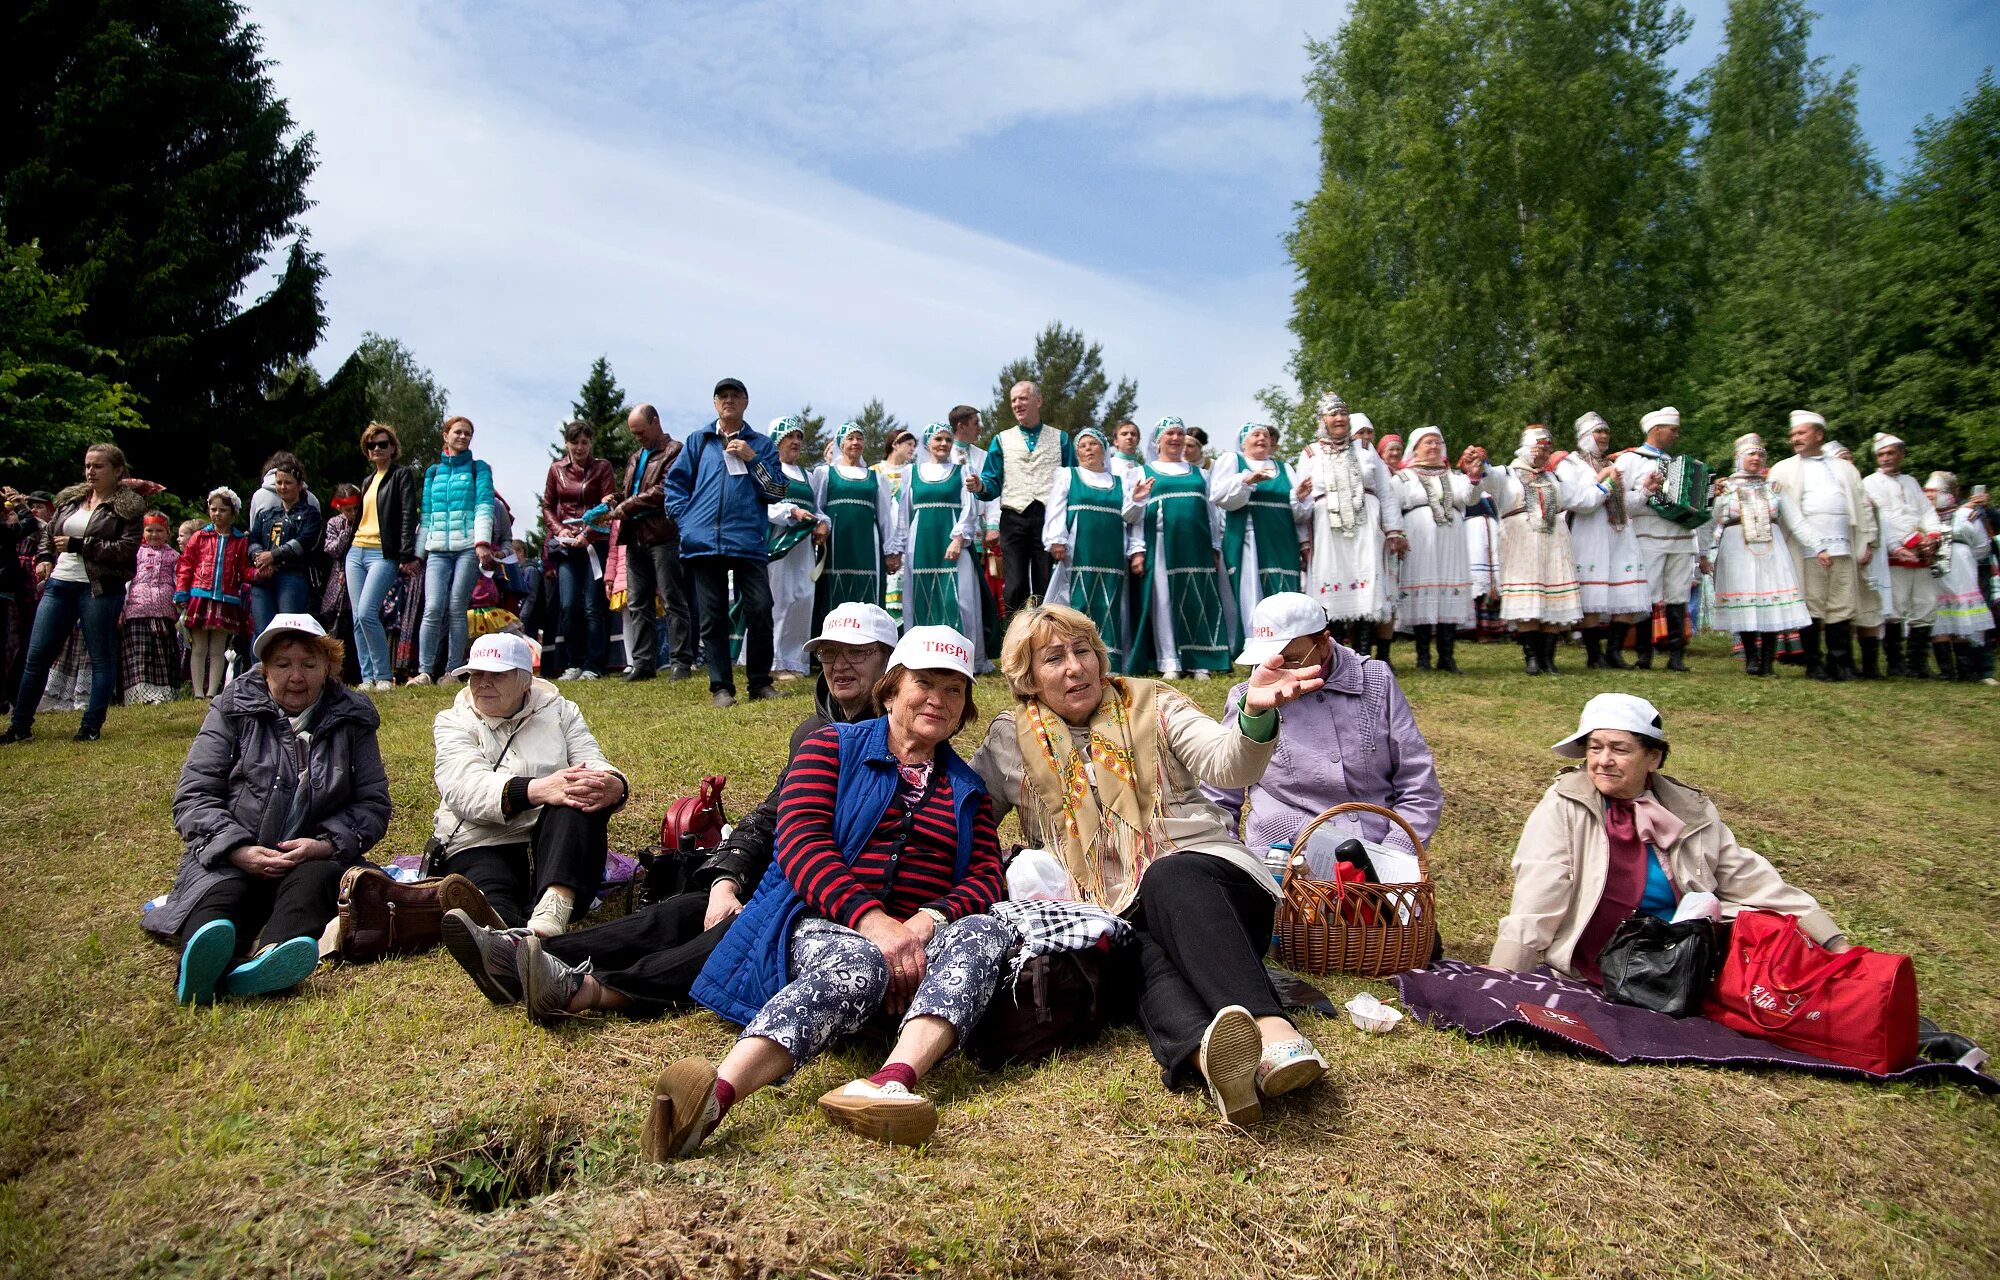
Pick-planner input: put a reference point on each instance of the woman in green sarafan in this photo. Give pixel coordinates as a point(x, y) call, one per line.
point(867, 539)
point(1092, 532)
point(1185, 623)
point(942, 524)
point(1265, 524)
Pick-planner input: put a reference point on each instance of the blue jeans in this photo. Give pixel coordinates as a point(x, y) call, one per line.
point(449, 577)
point(369, 578)
point(63, 605)
point(289, 592)
point(579, 610)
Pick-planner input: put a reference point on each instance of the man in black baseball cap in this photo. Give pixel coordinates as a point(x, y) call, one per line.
point(732, 384)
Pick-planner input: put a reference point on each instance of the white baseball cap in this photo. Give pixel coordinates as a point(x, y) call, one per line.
point(283, 626)
point(855, 624)
point(933, 649)
point(1621, 711)
point(1278, 620)
point(501, 651)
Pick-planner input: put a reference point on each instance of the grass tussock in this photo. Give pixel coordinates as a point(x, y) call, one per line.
point(387, 1121)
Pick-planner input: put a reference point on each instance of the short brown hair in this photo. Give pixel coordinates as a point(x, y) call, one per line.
point(382, 429)
point(1037, 626)
point(892, 681)
point(578, 428)
point(961, 415)
point(286, 461)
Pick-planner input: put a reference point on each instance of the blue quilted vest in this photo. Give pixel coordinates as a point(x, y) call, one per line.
point(752, 963)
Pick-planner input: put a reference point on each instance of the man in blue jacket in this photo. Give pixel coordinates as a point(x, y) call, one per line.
point(716, 492)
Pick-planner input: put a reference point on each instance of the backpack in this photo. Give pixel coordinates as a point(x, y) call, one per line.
point(1060, 1001)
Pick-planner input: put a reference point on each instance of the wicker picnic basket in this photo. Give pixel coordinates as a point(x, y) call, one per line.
point(1368, 929)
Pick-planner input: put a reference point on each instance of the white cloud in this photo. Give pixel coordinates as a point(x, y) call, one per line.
point(509, 244)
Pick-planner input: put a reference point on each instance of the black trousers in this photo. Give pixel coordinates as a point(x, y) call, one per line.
point(267, 912)
point(753, 592)
point(1024, 560)
point(568, 849)
point(651, 956)
point(652, 572)
point(1204, 926)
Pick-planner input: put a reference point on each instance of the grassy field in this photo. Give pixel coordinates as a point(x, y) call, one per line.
point(385, 1120)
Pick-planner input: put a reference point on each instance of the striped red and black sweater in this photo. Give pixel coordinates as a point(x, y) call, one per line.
point(844, 894)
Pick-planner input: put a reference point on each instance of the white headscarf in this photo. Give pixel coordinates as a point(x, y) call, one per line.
point(1587, 428)
point(1525, 451)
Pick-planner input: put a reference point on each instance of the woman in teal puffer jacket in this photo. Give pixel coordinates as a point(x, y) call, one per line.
point(455, 541)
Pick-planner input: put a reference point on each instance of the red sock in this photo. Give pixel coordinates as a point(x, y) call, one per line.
point(725, 1097)
point(901, 1072)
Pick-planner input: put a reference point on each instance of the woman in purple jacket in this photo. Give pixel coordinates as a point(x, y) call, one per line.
point(1355, 739)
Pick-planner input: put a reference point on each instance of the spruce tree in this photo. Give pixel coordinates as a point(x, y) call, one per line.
point(1070, 372)
point(601, 403)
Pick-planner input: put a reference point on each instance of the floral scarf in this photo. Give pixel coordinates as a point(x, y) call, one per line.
point(1109, 796)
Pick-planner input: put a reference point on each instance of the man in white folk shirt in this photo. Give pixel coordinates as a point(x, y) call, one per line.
point(1670, 549)
point(965, 451)
point(1910, 533)
point(1828, 491)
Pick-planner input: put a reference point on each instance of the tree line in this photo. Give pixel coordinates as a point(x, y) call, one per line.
point(1520, 217)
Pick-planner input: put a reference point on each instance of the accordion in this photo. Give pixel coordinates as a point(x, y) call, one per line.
point(1683, 495)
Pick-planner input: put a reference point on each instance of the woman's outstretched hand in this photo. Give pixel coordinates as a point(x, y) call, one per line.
point(1273, 684)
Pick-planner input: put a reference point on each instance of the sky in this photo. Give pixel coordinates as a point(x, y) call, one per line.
point(837, 202)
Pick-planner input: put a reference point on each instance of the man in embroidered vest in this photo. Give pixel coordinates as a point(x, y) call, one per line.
point(1020, 470)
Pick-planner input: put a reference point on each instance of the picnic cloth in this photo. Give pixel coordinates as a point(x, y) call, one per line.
point(1575, 1015)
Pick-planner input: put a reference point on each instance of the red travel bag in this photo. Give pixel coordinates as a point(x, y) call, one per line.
point(1858, 1008)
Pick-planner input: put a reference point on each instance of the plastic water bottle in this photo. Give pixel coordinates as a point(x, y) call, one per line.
point(1276, 859)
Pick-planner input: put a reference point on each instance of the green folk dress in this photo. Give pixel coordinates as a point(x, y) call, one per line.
point(1185, 624)
point(864, 527)
point(1260, 532)
point(1094, 574)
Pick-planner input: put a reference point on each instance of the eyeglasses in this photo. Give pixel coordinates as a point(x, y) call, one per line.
point(830, 657)
point(373, 445)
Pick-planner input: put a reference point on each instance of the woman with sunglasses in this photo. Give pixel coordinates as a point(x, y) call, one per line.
point(385, 539)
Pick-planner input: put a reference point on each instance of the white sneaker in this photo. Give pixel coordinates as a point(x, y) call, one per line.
point(884, 1112)
point(384, 686)
point(573, 673)
point(421, 678)
point(1230, 1052)
point(1201, 675)
point(551, 915)
point(1294, 1064)
point(586, 675)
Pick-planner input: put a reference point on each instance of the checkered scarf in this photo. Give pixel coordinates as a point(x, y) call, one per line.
point(1048, 928)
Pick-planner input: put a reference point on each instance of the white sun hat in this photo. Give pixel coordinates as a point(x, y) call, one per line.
point(284, 626)
point(1277, 621)
point(855, 624)
point(1621, 711)
point(501, 651)
point(933, 649)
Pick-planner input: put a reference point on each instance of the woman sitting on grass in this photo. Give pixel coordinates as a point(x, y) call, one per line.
point(887, 860)
point(1618, 836)
point(1107, 774)
point(282, 791)
point(525, 795)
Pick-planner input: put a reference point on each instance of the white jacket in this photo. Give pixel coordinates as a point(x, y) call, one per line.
point(477, 756)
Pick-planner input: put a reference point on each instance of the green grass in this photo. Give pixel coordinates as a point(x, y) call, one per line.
point(386, 1120)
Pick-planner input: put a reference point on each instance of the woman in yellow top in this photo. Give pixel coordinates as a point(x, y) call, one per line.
point(385, 539)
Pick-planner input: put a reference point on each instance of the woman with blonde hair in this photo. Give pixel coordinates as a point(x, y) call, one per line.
point(1106, 772)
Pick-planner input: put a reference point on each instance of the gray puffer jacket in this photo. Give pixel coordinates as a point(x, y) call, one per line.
point(243, 773)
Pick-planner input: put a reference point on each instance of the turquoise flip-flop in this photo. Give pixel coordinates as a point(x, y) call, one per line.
point(279, 969)
point(204, 959)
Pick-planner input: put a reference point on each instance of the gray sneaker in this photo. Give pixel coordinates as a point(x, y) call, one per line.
point(487, 955)
point(547, 984)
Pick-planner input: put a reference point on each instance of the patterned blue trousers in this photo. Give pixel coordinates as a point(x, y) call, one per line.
point(840, 979)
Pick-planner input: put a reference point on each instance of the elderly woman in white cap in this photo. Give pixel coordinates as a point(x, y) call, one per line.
point(1539, 594)
point(525, 794)
point(1617, 837)
point(643, 964)
point(1434, 588)
point(268, 839)
point(1106, 773)
point(887, 860)
point(797, 532)
point(1610, 566)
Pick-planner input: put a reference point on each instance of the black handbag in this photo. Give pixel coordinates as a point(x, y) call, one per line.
point(1665, 967)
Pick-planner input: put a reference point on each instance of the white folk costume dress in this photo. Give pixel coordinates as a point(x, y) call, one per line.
point(1482, 551)
point(790, 546)
point(1750, 541)
point(940, 590)
point(1961, 610)
point(1354, 507)
point(1089, 517)
point(1435, 585)
point(1610, 564)
point(1263, 524)
point(1669, 548)
point(1537, 566)
point(1183, 610)
point(1906, 513)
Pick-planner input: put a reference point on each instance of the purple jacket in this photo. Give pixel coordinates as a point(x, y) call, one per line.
point(1353, 740)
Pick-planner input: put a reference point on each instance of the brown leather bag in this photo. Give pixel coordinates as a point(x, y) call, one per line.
point(381, 916)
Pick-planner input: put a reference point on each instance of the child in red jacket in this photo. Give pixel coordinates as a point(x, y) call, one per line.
point(213, 583)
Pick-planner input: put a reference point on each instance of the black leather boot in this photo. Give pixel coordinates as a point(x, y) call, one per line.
point(1871, 658)
point(1614, 644)
point(1753, 645)
point(1642, 643)
point(1549, 639)
point(1423, 639)
point(1447, 638)
point(1840, 651)
point(1809, 640)
point(1946, 660)
point(1593, 648)
point(1917, 653)
point(1767, 660)
point(1382, 649)
point(1892, 649)
point(1677, 616)
point(1531, 652)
